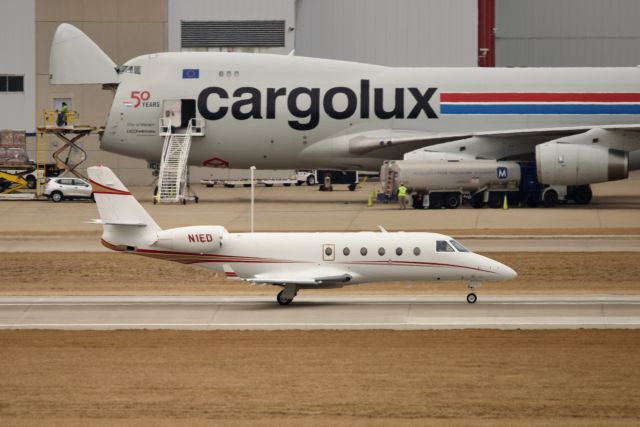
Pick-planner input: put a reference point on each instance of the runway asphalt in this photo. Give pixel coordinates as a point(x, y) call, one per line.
point(317, 312)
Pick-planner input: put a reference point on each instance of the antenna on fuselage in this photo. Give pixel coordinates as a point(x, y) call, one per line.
point(382, 229)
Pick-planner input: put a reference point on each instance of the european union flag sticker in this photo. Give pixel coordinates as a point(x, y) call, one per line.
point(191, 73)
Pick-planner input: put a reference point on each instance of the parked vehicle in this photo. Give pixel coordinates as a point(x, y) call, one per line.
point(29, 172)
point(326, 178)
point(66, 188)
point(51, 170)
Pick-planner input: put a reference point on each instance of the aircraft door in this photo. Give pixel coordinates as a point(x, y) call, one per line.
point(188, 111)
point(172, 112)
point(179, 111)
point(328, 252)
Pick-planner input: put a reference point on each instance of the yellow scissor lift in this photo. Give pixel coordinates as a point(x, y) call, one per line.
point(12, 177)
point(69, 133)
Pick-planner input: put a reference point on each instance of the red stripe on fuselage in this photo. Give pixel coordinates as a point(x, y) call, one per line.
point(540, 97)
point(195, 258)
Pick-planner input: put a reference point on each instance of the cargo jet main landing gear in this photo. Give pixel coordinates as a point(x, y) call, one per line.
point(471, 296)
point(286, 295)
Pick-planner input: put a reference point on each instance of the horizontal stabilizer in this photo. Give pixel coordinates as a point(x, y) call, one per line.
point(129, 223)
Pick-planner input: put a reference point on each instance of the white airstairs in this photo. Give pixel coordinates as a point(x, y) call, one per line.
point(173, 179)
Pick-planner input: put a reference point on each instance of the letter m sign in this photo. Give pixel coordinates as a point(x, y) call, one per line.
point(502, 173)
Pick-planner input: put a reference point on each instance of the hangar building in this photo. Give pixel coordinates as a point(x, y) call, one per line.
point(395, 33)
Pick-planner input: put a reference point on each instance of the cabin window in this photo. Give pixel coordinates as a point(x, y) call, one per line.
point(328, 251)
point(381, 251)
point(221, 74)
point(416, 251)
point(363, 251)
point(398, 251)
point(458, 246)
point(346, 251)
point(443, 246)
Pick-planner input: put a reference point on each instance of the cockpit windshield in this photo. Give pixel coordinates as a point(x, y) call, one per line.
point(443, 246)
point(458, 246)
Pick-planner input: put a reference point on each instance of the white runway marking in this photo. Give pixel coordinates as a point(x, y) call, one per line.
point(310, 312)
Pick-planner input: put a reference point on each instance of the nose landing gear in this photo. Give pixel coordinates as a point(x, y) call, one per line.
point(471, 296)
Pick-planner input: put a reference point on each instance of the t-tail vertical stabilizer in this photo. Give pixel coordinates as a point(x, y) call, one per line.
point(125, 221)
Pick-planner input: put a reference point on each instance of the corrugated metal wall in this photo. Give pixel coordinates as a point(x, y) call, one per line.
point(567, 32)
point(18, 57)
point(230, 10)
point(397, 33)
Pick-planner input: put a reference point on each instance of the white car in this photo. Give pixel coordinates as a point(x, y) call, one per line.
point(59, 189)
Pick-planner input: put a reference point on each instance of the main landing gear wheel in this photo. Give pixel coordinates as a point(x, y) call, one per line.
point(282, 300)
point(472, 298)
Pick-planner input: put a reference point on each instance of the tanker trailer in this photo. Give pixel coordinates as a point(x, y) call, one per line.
point(445, 183)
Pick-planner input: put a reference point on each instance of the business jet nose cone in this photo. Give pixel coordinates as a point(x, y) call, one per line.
point(506, 273)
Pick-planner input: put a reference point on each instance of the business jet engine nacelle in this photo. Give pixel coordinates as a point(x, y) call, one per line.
point(204, 239)
point(561, 163)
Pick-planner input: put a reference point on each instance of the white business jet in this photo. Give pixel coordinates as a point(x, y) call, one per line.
point(581, 125)
point(291, 260)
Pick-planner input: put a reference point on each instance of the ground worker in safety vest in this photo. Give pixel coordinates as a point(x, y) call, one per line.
point(403, 196)
point(61, 120)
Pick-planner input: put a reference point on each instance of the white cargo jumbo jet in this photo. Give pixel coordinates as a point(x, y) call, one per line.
point(582, 125)
point(290, 260)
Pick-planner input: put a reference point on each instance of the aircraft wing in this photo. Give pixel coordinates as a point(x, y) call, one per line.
point(318, 276)
point(390, 144)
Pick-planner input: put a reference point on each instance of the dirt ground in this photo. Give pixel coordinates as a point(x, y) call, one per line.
point(120, 274)
point(587, 377)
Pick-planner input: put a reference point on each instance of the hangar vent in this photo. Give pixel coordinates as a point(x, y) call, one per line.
point(198, 34)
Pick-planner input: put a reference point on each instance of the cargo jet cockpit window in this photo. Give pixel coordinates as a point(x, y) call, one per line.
point(129, 69)
point(458, 246)
point(443, 246)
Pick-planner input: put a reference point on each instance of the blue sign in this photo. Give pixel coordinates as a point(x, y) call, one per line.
point(191, 73)
point(502, 173)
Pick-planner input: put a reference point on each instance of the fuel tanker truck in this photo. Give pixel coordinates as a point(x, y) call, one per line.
point(445, 183)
